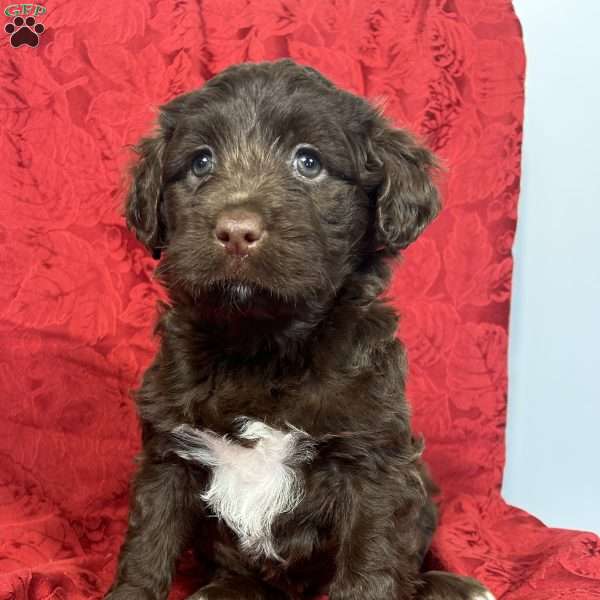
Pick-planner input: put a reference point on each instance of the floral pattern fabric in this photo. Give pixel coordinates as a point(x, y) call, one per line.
point(77, 293)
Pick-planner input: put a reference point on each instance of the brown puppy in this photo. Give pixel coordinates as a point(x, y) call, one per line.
point(275, 429)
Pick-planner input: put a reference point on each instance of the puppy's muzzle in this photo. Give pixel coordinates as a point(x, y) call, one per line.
point(240, 232)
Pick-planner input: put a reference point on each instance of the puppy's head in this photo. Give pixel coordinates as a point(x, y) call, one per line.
point(269, 187)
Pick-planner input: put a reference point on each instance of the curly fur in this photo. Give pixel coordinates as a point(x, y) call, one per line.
point(294, 336)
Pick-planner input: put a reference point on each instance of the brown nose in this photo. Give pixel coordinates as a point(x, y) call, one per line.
point(239, 231)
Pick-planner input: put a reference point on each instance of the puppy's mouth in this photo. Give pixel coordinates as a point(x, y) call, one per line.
point(230, 297)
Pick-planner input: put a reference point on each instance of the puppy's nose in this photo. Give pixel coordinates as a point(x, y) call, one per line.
point(239, 231)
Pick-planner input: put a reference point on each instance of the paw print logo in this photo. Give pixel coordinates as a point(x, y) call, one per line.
point(24, 31)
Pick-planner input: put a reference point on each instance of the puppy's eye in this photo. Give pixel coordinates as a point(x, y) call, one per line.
point(203, 162)
point(307, 162)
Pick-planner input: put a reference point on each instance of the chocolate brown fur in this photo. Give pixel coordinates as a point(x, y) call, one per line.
point(295, 333)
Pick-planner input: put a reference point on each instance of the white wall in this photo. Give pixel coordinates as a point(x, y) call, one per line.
point(553, 434)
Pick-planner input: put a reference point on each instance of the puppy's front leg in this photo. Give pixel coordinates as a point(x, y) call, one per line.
point(372, 563)
point(159, 523)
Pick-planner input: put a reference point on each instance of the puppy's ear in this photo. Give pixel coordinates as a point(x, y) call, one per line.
point(399, 175)
point(316, 76)
point(143, 204)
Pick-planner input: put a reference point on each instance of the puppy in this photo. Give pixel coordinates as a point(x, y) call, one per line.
point(276, 435)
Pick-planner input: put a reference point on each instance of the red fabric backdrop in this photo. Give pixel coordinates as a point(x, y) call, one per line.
point(77, 294)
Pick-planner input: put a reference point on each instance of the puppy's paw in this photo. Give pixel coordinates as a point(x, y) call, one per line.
point(438, 585)
point(235, 589)
point(214, 592)
point(127, 592)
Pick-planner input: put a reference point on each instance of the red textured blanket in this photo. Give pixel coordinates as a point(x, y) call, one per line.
point(77, 296)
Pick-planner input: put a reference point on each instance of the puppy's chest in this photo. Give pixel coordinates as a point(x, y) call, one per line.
point(255, 475)
point(305, 402)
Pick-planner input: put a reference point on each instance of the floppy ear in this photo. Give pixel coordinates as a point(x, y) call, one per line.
point(399, 173)
point(142, 207)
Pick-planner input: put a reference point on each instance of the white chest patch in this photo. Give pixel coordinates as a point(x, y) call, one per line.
point(250, 485)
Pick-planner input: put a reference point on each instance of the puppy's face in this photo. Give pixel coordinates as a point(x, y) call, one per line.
point(269, 187)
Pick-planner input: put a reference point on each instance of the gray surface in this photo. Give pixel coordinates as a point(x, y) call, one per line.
point(553, 434)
